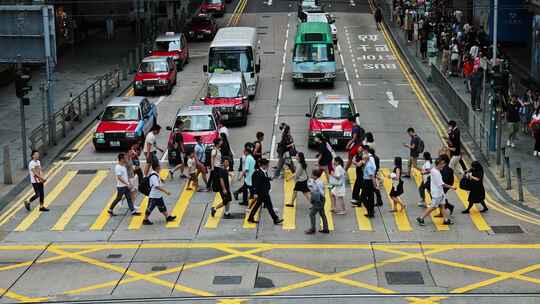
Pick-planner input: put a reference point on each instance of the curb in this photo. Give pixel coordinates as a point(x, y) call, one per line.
point(21, 185)
point(492, 180)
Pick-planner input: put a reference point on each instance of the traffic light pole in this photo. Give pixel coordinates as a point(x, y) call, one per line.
point(23, 134)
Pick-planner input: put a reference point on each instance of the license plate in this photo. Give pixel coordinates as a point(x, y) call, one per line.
point(150, 88)
point(199, 36)
point(224, 116)
point(333, 141)
point(114, 144)
point(313, 80)
point(100, 141)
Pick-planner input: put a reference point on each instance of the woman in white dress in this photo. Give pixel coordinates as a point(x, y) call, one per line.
point(337, 184)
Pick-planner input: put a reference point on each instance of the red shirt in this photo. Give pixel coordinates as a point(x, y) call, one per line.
point(468, 67)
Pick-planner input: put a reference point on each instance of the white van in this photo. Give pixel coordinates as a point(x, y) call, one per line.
point(235, 49)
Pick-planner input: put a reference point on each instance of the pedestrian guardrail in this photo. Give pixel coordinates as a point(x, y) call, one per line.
point(71, 114)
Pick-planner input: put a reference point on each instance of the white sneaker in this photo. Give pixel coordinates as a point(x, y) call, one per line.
point(535, 153)
point(508, 143)
point(513, 145)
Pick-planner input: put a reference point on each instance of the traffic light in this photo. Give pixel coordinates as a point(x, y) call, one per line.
point(22, 87)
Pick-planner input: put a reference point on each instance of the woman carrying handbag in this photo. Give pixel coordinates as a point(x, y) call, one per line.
point(473, 181)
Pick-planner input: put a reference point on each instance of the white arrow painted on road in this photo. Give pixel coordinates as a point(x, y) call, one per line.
point(391, 99)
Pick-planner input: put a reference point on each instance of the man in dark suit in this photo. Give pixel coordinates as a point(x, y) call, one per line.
point(261, 183)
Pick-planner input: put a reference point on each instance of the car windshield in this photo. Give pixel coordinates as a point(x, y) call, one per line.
point(317, 18)
point(200, 22)
point(225, 90)
point(214, 1)
point(196, 123)
point(317, 52)
point(234, 60)
point(167, 46)
point(121, 113)
point(332, 111)
point(153, 67)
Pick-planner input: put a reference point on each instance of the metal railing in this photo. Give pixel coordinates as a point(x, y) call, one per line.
point(71, 114)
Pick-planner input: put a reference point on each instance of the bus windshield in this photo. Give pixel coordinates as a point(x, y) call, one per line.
point(317, 52)
point(229, 59)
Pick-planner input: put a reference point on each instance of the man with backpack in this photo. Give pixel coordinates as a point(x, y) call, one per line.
point(317, 201)
point(152, 185)
point(123, 186)
point(416, 146)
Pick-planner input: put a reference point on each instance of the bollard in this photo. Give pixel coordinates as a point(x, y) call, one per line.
point(131, 63)
point(87, 102)
point(519, 182)
point(8, 179)
point(137, 55)
point(501, 166)
point(508, 175)
point(124, 69)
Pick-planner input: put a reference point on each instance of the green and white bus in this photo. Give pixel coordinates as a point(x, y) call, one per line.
point(313, 55)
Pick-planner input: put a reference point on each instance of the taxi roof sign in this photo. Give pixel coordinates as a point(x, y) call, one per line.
point(169, 33)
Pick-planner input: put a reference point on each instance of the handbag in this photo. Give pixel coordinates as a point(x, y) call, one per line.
point(465, 184)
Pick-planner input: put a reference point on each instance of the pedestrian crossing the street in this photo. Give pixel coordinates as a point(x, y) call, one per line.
point(90, 192)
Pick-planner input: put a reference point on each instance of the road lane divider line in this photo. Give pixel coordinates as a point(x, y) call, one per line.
point(49, 199)
point(248, 225)
point(437, 221)
point(181, 206)
point(327, 204)
point(66, 217)
point(229, 22)
point(213, 221)
point(474, 214)
point(136, 221)
point(289, 213)
point(400, 216)
point(104, 215)
point(364, 223)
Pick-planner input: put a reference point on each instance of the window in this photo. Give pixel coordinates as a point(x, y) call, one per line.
point(121, 113)
point(332, 111)
point(167, 46)
point(196, 123)
point(154, 67)
point(226, 90)
point(234, 60)
point(317, 52)
point(317, 18)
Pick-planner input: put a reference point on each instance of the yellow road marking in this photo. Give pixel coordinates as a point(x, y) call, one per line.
point(364, 224)
point(104, 216)
point(20, 298)
point(136, 221)
point(402, 221)
point(35, 213)
point(79, 201)
point(213, 222)
point(474, 214)
point(181, 207)
point(327, 204)
point(248, 225)
point(289, 213)
point(232, 20)
point(437, 221)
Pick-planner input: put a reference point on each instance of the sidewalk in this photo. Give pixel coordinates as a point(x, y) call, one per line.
point(76, 69)
point(521, 155)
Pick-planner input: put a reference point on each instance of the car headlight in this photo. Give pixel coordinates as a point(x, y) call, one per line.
point(99, 135)
point(130, 134)
point(206, 31)
point(347, 133)
point(330, 75)
point(238, 107)
point(297, 75)
point(191, 32)
point(163, 81)
point(315, 133)
point(138, 83)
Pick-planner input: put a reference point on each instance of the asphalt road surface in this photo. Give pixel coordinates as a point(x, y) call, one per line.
point(77, 252)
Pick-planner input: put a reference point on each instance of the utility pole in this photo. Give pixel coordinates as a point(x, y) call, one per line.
point(495, 25)
point(49, 66)
point(21, 90)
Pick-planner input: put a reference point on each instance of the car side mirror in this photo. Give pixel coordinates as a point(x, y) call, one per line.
point(169, 128)
point(201, 99)
point(308, 115)
point(257, 68)
point(205, 68)
point(244, 98)
point(149, 52)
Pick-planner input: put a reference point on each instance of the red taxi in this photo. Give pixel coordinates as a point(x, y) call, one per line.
point(155, 74)
point(124, 122)
point(227, 91)
point(197, 121)
point(329, 115)
point(172, 45)
point(202, 26)
point(216, 7)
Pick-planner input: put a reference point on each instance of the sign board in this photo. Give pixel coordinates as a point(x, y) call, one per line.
point(27, 31)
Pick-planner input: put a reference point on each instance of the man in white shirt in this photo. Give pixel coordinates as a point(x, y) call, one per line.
point(37, 179)
point(150, 148)
point(123, 186)
point(437, 194)
point(425, 171)
point(155, 198)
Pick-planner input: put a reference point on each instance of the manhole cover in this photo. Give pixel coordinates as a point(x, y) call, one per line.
point(404, 278)
point(262, 282)
point(507, 229)
point(227, 280)
point(87, 171)
point(114, 256)
point(158, 268)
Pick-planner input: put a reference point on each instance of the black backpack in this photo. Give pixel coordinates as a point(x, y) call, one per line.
point(144, 185)
point(420, 148)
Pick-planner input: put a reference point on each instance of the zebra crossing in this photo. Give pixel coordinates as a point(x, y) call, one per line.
point(95, 190)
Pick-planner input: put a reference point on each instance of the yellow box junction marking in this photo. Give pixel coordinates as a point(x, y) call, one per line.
point(327, 204)
point(136, 221)
point(213, 222)
point(474, 214)
point(248, 225)
point(79, 201)
point(49, 199)
point(400, 216)
point(289, 213)
point(181, 206)
point(364, 224)
point(437, 221)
